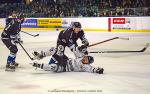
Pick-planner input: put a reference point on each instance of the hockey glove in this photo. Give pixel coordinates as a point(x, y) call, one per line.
point(98, 70)
point(82, 48)
point(18, 41)
point(85, 42)
point(16, 38)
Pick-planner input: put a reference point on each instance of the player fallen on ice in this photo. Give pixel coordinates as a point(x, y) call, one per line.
point(65, 64)
point(10, 36)
point(69, 38)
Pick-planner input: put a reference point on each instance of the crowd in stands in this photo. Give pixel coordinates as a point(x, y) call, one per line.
point(76, 8)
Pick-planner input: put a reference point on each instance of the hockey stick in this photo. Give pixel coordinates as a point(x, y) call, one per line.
point(26, 51)
point(107, 41)
point(142, 50)
point(30, 34)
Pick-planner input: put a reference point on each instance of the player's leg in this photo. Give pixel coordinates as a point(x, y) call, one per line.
point(58, 55)
point(12, 56)
point(60, 49)
point(44, 53)
point(49, 67)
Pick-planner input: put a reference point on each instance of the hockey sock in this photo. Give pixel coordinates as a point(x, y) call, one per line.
point(52, 61)
point(14, 59)
point(11, 58)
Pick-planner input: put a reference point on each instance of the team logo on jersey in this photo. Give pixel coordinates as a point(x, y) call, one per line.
point(60, 48)
point(70, 40)
point(63, 40)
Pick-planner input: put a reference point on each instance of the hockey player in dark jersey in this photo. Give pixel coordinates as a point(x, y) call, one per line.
point(10, 36)
point(69, 38)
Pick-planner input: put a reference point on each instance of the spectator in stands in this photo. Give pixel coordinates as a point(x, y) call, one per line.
point(59, 8)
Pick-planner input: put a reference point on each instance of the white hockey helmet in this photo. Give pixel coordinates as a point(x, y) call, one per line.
point(87, 60)
point(90, 59)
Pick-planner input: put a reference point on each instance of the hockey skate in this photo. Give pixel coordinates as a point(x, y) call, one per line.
point(10, 67)
point(99, 70)
point(37, 65)
point(16, 64)
point(37, 55)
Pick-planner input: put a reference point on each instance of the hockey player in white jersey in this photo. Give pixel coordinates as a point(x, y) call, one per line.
point(80, 64)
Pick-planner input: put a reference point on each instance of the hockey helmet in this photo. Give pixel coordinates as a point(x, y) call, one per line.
point(90, 59)
point(87, 60)
point(76, 24)
point(13, 14)
point(21, 17)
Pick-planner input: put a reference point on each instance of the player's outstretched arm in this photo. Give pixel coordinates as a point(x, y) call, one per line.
point(91, 69)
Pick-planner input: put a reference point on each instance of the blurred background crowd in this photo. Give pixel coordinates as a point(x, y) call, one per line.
point(75, 8)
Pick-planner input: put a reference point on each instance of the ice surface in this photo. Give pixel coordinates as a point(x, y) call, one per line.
point(125, 73)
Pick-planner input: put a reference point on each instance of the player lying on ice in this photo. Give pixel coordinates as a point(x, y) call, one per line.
point(65, 64)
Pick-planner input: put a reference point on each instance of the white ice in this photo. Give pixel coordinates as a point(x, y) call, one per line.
point(125, 73)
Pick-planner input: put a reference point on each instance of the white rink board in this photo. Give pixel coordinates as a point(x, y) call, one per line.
point(101, 23)
point(92, 23)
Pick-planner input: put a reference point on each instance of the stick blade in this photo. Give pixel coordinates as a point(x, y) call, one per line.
point(36, 35)
point(146, 46)
point(124, 38)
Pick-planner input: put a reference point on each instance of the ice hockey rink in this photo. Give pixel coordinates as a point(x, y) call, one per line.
point(124, 73)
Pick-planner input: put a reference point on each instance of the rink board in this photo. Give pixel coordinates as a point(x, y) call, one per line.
point(94, 24)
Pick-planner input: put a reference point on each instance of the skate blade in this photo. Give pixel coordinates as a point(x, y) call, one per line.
point(16, 65)
point(10, 70)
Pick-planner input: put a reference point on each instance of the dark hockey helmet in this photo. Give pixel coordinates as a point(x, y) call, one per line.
point(13, 14)
point(76, 24)
point(21, 17)
point(90, 59)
